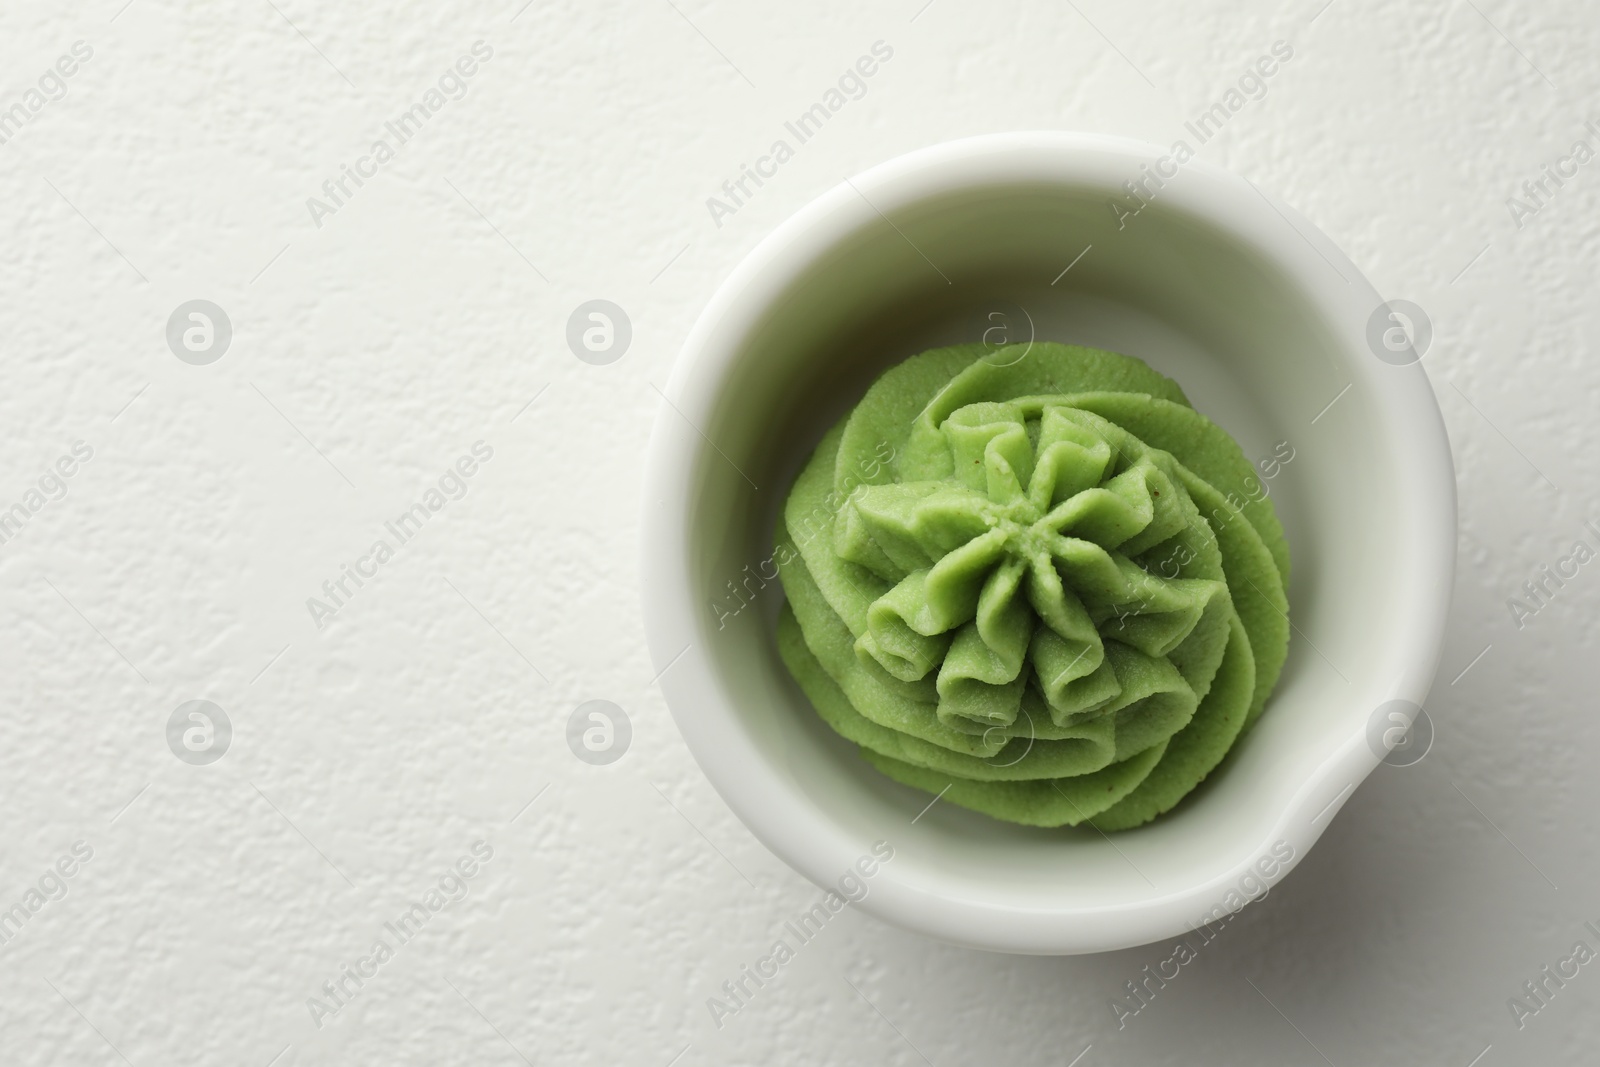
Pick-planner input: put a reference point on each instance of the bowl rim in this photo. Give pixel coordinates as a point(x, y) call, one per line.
point(795, 830)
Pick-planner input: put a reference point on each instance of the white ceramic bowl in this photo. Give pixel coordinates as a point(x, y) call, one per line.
point(1260, 319)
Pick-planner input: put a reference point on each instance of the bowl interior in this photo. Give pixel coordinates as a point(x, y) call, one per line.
point(900, 264)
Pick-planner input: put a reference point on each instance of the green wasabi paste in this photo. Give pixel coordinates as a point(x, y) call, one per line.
point(1025, 579)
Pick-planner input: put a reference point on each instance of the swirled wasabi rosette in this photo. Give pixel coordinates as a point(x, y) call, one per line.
point(1035, 581)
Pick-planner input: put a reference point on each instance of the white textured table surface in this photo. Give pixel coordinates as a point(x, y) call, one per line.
point(379, 335)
